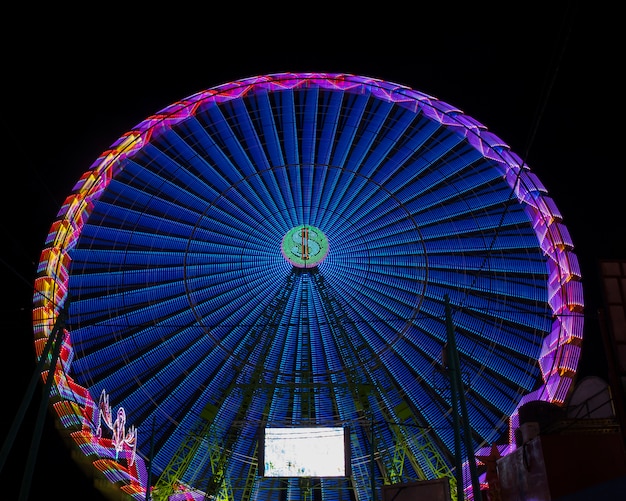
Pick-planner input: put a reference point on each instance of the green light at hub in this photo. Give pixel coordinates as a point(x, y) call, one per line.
point(305, 246)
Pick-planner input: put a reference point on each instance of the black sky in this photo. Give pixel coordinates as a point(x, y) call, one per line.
point(546, 80)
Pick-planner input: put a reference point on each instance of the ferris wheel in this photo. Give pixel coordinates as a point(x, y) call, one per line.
point(287, 251)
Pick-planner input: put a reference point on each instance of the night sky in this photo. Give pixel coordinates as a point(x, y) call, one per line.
point(545, 80)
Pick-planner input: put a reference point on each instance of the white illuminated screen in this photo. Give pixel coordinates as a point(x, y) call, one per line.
point(304, 452)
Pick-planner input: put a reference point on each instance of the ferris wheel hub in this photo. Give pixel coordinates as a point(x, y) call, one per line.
point(305, 246)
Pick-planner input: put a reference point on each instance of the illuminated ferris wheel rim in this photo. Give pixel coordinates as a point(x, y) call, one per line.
point(560, 349)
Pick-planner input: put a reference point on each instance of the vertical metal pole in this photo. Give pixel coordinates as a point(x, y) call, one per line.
point(451, 367)
point(469, 446)
point(19, 417)
point(455, 375)
point(41, 416)
point(372, 462)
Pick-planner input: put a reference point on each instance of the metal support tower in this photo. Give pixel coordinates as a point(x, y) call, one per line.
point(205, 427)
point(422, 454)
